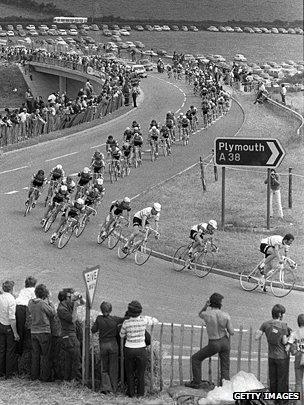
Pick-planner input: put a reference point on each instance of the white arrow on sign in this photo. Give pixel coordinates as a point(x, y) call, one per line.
point(274, 153)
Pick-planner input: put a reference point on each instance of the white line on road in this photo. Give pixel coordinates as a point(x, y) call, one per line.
point(13, 170)
point(25, 188)
point(97, 146)
point(74, 174)
point(12, 192)
point(62, 156)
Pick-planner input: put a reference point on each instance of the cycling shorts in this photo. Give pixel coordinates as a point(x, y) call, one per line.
point(138, 222)
point(154, 137)
point(185, 125)
point(264, 249)
point(37, 183)
point(97, 169)
point(193, 234)
point(83, 182)
point(137, 143)
point(56, 176)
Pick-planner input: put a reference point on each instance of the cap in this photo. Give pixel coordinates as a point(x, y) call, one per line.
point(157, 207)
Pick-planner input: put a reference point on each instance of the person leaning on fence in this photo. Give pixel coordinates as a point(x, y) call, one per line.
point(133, 329)
point(275, 193)
point(276, 332)
point(106, 325)
point(219, 327)
point(295, 344)
point(8, 331)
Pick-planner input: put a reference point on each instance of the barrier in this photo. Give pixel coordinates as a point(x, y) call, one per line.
point(169, 357)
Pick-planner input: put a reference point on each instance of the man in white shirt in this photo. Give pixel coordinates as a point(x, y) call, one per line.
point(283, 93)
point(8, 331)
point(27, 293)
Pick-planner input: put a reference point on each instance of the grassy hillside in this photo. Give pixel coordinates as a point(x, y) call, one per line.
point(195, 10)
point(10, 79)
point(11, 10)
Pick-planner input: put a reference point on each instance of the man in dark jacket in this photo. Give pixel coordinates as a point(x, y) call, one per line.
point(67, 313)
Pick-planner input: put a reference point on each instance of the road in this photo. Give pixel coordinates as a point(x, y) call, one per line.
point(171, 297)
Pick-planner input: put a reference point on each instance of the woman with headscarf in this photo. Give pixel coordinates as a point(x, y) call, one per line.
point(133, 329)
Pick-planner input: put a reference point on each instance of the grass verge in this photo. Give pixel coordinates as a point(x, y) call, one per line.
point(11, 78)
point(185, 203)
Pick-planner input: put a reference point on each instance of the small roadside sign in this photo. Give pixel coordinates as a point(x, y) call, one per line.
point(90, 276)
point(260, 152)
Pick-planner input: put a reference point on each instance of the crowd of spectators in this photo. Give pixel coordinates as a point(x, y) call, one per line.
point(48, 337)
point(37, 115)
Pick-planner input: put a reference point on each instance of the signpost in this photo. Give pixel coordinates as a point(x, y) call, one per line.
point(90, 276)
point(248, 152)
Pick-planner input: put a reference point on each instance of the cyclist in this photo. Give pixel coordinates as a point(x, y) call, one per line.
point(92, 197)
point(109, 142)
point(98, 163)
point(185, 125)
point(137, 142)
point(127, 151)
point(154, 123)
point(100, 187)
point(73, 210)
point(170, 122)
point(116, 210)
point(38, 180)
point(165, 137)
point(190, 116)
point(153, 138)
point(116, 155)
point(61, 196)
point(84, 179)
point(169, 71)
point(57, 173)
point(179, 124)
point(141, 220)
point(199, 233)
point(70, 183)
point(128, 134)
point(135, 124)
point(193, 112)
point(272, 246)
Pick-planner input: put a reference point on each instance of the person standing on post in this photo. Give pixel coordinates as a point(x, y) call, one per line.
point(275, 193)
point(276, 332)
point(8, 331)
point(219, 328)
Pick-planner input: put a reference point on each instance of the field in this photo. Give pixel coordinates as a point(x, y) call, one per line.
point(11, 79)
point(7, 10)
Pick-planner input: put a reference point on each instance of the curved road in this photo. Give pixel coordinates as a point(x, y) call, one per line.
point(171, 297)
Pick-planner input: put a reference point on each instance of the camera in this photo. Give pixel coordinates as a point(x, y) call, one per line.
point(77, 296)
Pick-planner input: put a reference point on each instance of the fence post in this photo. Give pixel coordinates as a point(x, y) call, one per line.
point(290, 188)
point(191, 350)
point(239, 349)
point(210, 370)
point(180, 356)
point(214, 167)
point(83, 354)
point(203, 174)
point(151, 358)
point(122, 370)
point(161, 356)
point(250, 350)
point(172, 355)
point(93, 366)
point(259, 359)
point(218, 371)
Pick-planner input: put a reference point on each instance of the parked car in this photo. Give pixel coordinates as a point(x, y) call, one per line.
point(19, 27)
point(89, 40)
point(193, 28)
point(149, 27)
point(22, 33)
point(10, 33)
point(30, 27)
point(50, 41)
point(166, 28)
point(2, 33)
point(33, 33)
point(62, 32)
point(126, 27)
point(124, 33)
point(147, 64)
point(157, 28)
point(107, 33)
point(52, 31)
point(139, 27)
point(139, 70)
point(139, 44)
point(175, 28)
point(73, 32)
point(130, 44)
point(184, 28)
point(10, 27)
point(94, 27)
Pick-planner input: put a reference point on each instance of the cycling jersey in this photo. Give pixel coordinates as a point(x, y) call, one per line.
point(116, 154)
point(98, 163)
point(84, 178)
point(189, 115)
point(200, 228)
point(91, 196)
point(185, 122)
point(110, 142)
point(38, 180)
point(164, 133)
point(137, 140)
point(126, 150)
point(56, 174)
point(59, 198)
point(146, 212)
point(128, 135)
point(119, 207)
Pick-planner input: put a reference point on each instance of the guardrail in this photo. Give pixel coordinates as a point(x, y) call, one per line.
point(169, 357)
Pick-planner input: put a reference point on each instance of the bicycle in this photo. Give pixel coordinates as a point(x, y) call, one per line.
point(83, 221)
point(136, 157)
point(141, 252)
point(32, 200)
point(114, 170)
point(66, 232)
point(185, 136)
point(52, 215)
point(193, 123)
point(114, 233)
point(53, 185)
point(166, 147)
point(81, 191)
point(281, 278)
point(153, 150)
point(201, 262)
point(125, 167)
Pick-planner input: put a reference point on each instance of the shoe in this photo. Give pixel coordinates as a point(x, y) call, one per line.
point(192, 384)
point(53, 238)
point(124, 250)
point(26, 202)
point(33, 205)
point(43, 221)
point(261, 268)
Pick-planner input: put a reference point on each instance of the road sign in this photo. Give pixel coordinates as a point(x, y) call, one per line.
point(260, 152)
point(90, 276)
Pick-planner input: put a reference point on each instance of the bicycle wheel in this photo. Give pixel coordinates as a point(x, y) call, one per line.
point(142, 254)
point(65, 237)
point(111, 174)
point(203, 264)
point(120, 253)
point(282, 282)
point(114, 237)
point(81, 225)
point(152, 154)
point(49, 222)
point(100, 238)
point(249, 279)
point(165, 152)
point(180, 257)
point(28, 207)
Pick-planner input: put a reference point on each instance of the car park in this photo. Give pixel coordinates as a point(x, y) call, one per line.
point(89, 40)
point(139, 70)
point(107, 33)
point(70, 41)
point(124, 33)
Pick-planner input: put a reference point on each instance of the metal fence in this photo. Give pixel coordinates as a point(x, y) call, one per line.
point(38, 125)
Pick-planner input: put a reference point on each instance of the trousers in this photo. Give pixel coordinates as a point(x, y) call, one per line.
point(278, 370)
point(135, 365)
point(41, 355)
point(8, 358)
point(109, 359)
point(275, 197)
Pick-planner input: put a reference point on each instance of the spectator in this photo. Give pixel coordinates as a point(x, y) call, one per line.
point(135, 93)
point(276, 332)
point(69, 301)
point(25, 295)
point(275, 192)
point(88, 88)
point(296, 344)
point(261, 94)
point(283, 93)
point(8, 331)
point(106, 326)
point(219, 327)
point(133, 329)
point(41, 312)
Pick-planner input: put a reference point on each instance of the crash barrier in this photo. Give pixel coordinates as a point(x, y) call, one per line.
point(169, 357)
point(37, 125)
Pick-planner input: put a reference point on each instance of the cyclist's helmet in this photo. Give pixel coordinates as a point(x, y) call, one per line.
point(63, 189)
point(157, 207)
point(80, 201)
point(184, 116)
point(154, 128)
point(191, 107)
point(128, 129)
point(181, 114)
point(40, 172)
point(127, 200)
point(59, 167)
point(213, 223)
point(110, 137)
point(99, 182)
point(136, 129)
point(97, 153)
point(86, 170)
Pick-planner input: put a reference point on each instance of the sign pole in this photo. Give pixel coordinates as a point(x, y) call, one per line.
point(268, 199)
point(223, 196)
point(87, 340)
